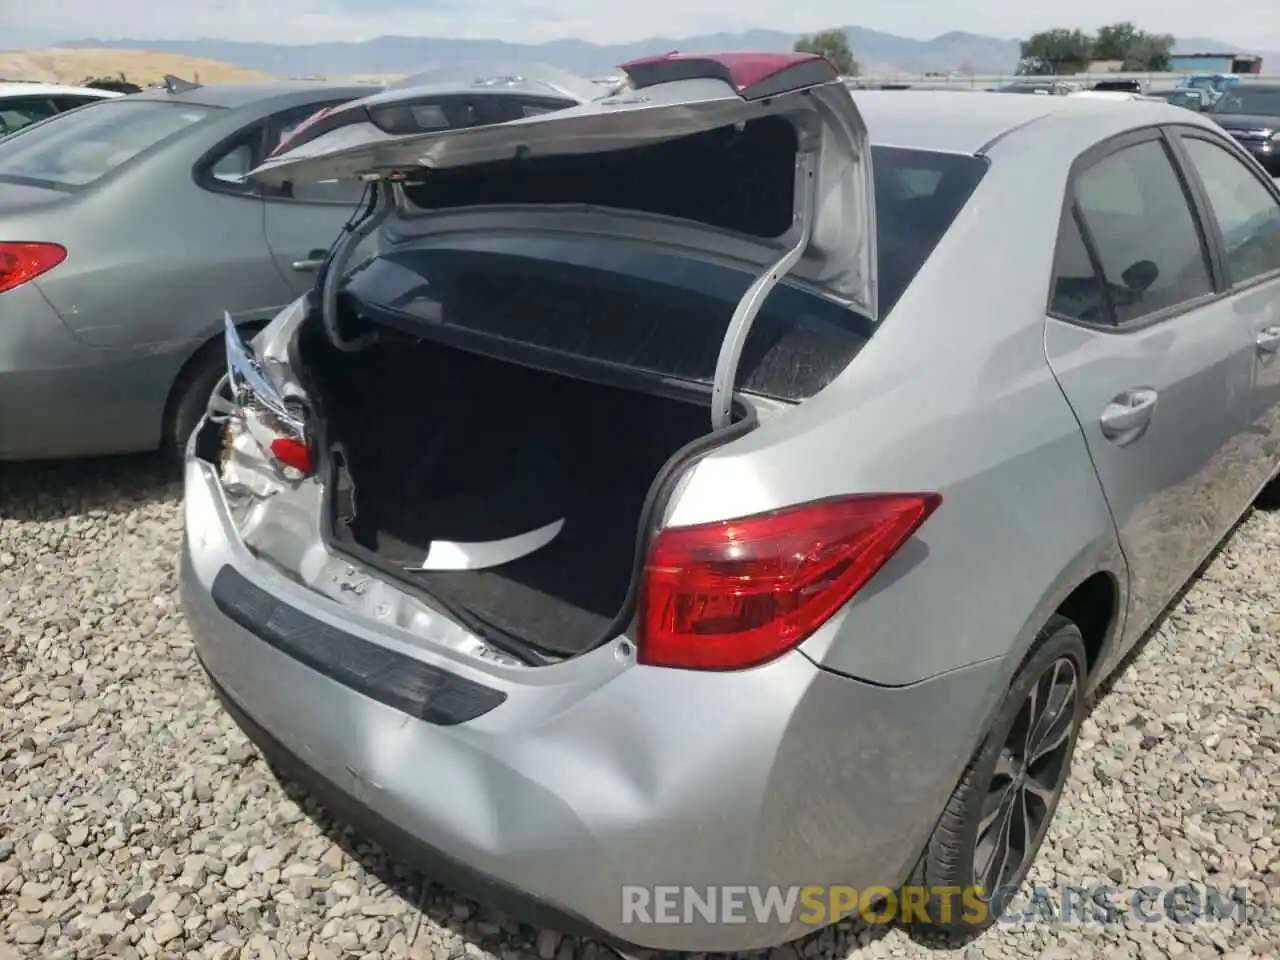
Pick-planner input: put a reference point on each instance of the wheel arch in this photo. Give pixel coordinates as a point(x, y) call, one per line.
point(196, 360)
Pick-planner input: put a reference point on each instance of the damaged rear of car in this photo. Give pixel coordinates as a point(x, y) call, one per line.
point(497, 407)
point(443, 557)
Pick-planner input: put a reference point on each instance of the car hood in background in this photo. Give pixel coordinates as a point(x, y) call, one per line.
point(1247, 122)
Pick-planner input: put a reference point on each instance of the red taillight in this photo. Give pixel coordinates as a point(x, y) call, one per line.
point(293, 453)
point(21, 262)
point(735, 594)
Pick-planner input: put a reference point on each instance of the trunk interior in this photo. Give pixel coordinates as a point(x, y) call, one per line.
point(441, 444)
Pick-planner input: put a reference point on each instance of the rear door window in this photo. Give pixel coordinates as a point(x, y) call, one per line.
point(20, 112)
point(345, 192)
point(1247, 213)
point(1146, 238)
point(81, 147)
point(1078, 292)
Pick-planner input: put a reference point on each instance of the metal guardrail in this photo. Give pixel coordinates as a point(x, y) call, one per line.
point(1155, 81)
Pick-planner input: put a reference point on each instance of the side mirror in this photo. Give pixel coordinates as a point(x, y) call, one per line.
point(1140, 276)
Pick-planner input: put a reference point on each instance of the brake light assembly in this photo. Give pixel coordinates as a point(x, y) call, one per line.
point(739, 593)
point(22, 262)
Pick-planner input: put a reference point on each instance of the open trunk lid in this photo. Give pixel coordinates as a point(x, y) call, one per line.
point(665, 98)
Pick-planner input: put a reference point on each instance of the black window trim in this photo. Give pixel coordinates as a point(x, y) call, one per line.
point(201, 170)
point(66, 102)
point(1176, 135)
point(1209, 246)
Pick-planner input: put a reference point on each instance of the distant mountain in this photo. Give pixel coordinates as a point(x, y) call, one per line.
point(397, 54)
point(877, 52)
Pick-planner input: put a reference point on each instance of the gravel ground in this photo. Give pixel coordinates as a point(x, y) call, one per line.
point(135, 820)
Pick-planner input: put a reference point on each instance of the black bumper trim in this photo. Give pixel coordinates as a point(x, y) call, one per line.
point(436, 866)
point(402, 683)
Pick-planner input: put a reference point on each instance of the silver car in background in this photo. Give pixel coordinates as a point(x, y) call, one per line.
point(732, 481)
point(127, 228)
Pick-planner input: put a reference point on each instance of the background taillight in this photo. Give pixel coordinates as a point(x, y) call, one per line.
point(21, 262)
point(736, 594)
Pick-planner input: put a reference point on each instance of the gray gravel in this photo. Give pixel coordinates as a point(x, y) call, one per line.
point(135, 820)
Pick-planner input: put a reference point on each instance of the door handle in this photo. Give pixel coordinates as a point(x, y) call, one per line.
point(314, 261)
point(1125, 417)
point(1269, 339)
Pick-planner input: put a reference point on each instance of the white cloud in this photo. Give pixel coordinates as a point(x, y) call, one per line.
point(1244, 23)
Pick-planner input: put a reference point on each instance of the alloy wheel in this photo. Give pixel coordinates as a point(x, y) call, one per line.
point(1029, 774)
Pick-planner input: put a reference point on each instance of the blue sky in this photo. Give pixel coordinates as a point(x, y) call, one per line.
point(1254, 24)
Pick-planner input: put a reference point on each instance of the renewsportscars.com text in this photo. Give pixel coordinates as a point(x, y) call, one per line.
point(819, 905)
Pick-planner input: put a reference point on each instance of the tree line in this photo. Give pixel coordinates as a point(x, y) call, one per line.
point(1062, 51)
point(834, 45)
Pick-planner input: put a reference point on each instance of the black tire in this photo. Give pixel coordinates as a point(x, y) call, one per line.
point(1269, 498)
point(189, 398)
point(952, 856)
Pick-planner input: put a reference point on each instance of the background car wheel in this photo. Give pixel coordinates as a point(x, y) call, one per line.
point(190, 397)
point(1269, 498)
point(998, 814)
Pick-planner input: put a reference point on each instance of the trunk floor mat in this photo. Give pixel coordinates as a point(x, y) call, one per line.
point(560, 598)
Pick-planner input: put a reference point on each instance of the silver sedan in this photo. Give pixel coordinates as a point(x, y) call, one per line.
point(734, 482)
point(127, 228)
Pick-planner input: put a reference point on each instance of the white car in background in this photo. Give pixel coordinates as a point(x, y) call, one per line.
point(22, 104)
point(1111, 95)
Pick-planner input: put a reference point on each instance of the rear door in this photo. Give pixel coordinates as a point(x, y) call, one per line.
point(1154, 360)
point(1244, 213)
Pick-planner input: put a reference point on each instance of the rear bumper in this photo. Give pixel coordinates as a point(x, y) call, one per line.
point(595, 775)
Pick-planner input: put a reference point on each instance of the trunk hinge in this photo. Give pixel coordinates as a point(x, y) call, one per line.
point(749, 306)
point(335, 267)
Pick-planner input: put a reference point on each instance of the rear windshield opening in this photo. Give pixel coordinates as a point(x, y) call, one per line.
point(652, 310)
point(735, 178)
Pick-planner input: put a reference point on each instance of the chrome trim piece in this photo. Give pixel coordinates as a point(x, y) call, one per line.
point(249, 385)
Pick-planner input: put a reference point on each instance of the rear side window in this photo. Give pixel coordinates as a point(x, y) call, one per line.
point(1144, 234)
point(919, 193)
point(80, 147)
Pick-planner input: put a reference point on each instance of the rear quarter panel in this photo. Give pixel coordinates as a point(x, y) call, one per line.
point(953, 394)
point(153, 259)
